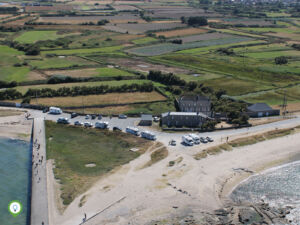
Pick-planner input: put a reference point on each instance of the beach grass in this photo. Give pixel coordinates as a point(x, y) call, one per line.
point(72, 148)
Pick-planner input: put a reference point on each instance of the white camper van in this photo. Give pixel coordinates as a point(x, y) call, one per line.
point(187, 140)
point(101, 125)
point(196, 138)
point(133, 130)
point(148, 135)
point(55, 110)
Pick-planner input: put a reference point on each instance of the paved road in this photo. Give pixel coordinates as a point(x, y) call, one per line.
point(39, 196)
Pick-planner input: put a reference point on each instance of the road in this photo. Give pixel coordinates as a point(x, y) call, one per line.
point(165, 137)
point(39, 196)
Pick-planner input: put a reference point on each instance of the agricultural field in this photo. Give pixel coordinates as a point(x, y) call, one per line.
point(181, 32)
point(93, 100)
point(140, 28)
point(247, 22)
point(116, 83)
point(34, 36)
point(91, 72)
point(159, 49)
point(205, 37)
point(59, 62)
point(144, 40)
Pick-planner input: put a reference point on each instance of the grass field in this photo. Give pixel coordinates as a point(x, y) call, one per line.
point(34, 36)
point(84, 51)
point(181, 32)
point(73, 148)
point(91, 72)
point(144, 40)
point(90, 100)
point(23, 89)
point(57, 62)
point(151, 108)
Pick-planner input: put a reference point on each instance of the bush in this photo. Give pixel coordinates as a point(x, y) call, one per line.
point(197, 21)
point(280, 60)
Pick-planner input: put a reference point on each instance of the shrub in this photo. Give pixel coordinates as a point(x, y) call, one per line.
point(280, 60)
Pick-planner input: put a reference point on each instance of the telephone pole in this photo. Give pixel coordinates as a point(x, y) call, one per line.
point(284, 104)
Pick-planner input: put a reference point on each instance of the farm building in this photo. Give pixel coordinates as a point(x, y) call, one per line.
point(146, 120)
point(261, 109)
point(197, 103)
point(183, 119)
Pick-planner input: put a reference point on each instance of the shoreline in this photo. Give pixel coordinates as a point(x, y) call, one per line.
point(234, 181)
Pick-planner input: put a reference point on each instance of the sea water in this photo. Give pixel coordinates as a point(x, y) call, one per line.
point(15, 173)
point(279, 186)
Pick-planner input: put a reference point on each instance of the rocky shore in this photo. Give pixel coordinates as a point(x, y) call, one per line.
point(254, 214)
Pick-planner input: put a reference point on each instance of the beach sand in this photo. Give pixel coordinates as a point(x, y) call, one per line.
point(131, 195)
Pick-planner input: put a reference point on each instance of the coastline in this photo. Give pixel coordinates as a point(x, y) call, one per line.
point(289, 153)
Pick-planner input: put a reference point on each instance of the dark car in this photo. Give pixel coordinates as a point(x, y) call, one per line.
point(99, 117)
point(45, 110)
point(73, 115)
point(93, 117)
point(117, 129)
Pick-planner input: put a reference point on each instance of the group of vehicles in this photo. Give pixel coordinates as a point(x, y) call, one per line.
point(144, 134)
point(194, 139)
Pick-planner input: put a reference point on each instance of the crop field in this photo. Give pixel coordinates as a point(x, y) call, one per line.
point(158, 49)
point(181, 32)
point(34, 36)
point(247, 21)
point(205, 37)
point(231, 31)
point(84, 51)
point(199, 76)
point(204, 50)
point(143, 27)
point(278, 14)
point(83, 19)
point(144, 40)
point(10, 73)
point(90, 72)
point(91, 100)
point(273, 54)
point(59, 62)
point(114, 83)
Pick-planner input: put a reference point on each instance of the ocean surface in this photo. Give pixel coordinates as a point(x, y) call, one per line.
point(15, 172)
point(279, 186)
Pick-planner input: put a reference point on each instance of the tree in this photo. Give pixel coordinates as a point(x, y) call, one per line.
point(280, 60)
point(183, 19)
point(197, 21)
point(32, 50)
point(219, 93)
point(192, 85)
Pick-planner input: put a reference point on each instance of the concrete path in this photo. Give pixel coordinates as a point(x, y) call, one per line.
point(39, 196)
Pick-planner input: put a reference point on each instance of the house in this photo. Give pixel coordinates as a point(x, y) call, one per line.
point(183, 119)
point(196, 103)
point(146, 120)
point(261, 109)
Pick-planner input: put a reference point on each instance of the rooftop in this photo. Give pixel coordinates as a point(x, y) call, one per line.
point(259, 107)
point(146, 117)
point(184, 114)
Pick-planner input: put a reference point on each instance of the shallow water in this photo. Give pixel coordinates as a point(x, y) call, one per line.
point(14, 179)
point(279, 186)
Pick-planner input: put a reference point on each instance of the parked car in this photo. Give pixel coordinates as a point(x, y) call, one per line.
point(156, 119)
point(122, 116)
point(209, 139)
point(93, 117)
point(99, 117)
point(73, 115)
point(63, 120)
point(203, 140)
point(45, 110)
point(172, 142)
point(88, 124)
point(87, 117)
point(117, 129)
point(78, 123)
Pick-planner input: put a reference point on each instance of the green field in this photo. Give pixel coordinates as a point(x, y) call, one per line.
point(56, 62)
point(145, 40)
point(114, 83)
point(273, 54)
point(84, 51)
point(73, 149)
point(34, 36)
point(111, 72)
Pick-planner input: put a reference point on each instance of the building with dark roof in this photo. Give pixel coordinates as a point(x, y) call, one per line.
point(261, 109)
point(195, 103)
point(183, 119)
point(146, 120)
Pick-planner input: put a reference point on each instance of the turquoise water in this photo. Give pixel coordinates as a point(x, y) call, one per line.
point(14, 179)
point(279, 186)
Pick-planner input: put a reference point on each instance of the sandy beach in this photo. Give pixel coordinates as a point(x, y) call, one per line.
point(132, 195)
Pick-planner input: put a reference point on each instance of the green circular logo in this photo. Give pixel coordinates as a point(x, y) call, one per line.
point(15, 208)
